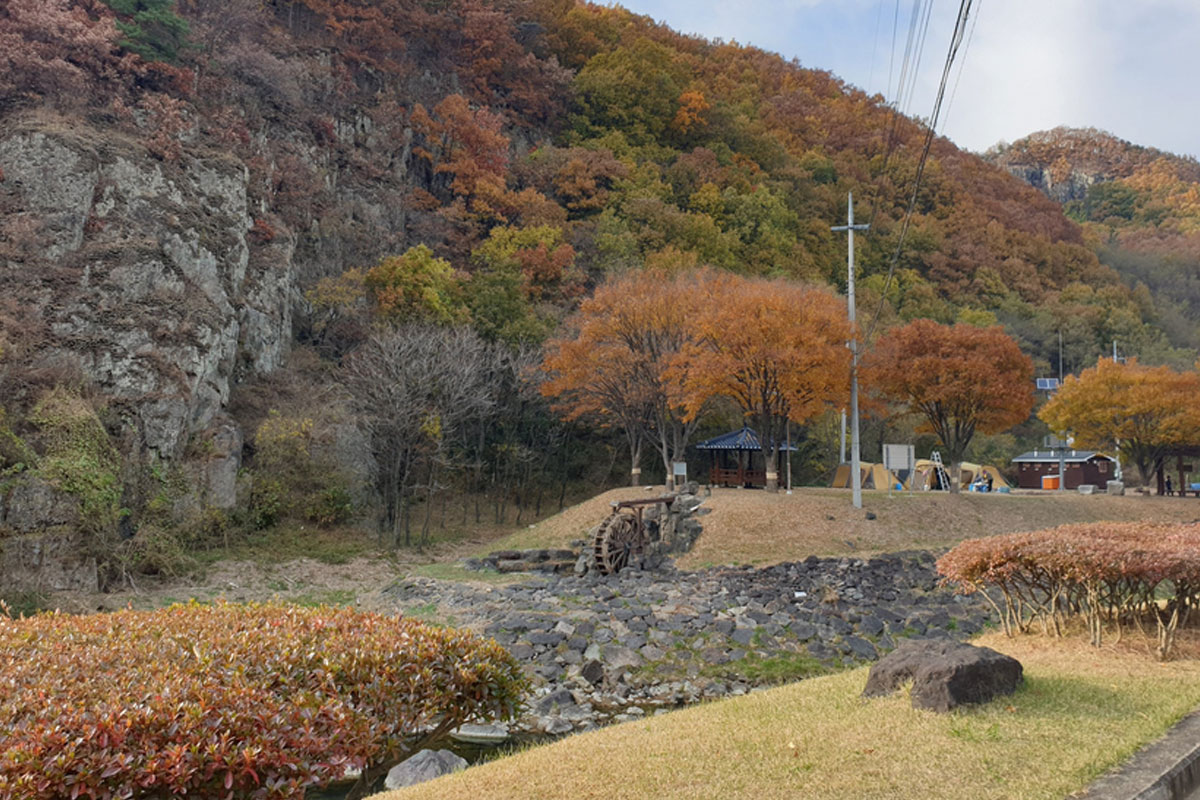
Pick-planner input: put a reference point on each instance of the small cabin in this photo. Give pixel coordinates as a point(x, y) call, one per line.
point(1079, 467)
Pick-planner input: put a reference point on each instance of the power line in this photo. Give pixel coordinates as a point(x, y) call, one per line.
point(918, 53)
point(961, 62)
point(894, 122)
point(892, 57)
point(874, 48)
point(960, 24)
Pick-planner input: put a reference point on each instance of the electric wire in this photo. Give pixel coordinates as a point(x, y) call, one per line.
point(961, 62)
point(956, 39)
point(892, 57)
point(892, 139)
point(874, 49)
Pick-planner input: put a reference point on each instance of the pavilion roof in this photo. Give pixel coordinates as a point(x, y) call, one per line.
point(745, 439)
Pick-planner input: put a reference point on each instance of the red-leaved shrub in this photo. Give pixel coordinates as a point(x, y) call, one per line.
point(1107, 572)
point(231, 701)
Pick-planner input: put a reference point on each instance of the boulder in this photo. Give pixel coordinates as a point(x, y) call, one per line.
point(592, 671)
point(944, 673)
point(554, 726)
point(424, 766)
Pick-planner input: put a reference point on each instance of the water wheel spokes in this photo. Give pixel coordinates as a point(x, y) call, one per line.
point(618, 541)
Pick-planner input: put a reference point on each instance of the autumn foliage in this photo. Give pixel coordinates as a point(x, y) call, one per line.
point(1111, 574)
point(959, 379)
point(614, 364)
point(651, 351)
point(229, 701)
point(1145, 411)
point(777, 349)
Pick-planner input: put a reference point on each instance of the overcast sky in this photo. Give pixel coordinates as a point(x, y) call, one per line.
point(1131, 67)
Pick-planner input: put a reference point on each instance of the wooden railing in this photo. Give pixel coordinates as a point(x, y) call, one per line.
point(737, 477)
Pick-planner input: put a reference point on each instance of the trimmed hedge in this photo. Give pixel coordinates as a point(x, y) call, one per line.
point(1113, 573)
point(231, 701)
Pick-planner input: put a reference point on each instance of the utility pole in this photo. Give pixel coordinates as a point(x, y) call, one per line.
point(842, 451)
point(855, 466)
point(1060, 364)
point(1117, 473)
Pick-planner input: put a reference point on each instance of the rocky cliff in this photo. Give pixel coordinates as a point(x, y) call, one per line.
point(1065, 162)
point(144, 274)
point(142, 277)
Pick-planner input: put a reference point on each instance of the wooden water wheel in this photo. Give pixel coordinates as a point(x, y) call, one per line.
point(618, 540)
point(621, 539)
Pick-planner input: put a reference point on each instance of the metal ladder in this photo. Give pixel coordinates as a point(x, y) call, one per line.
point(943, 476)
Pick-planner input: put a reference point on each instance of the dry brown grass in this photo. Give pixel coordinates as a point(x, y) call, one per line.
point(1080, 712)
point(757, 527)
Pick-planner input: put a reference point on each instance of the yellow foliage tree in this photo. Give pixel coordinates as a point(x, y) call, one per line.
point(1143, 411)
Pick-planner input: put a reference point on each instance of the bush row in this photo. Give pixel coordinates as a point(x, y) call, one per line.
point(231, 701)
point(1112, 573)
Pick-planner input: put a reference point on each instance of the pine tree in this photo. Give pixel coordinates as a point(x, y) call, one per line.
point(152, 29)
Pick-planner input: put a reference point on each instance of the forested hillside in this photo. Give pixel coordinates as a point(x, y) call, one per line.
point(220, 222)
point(1139, 208)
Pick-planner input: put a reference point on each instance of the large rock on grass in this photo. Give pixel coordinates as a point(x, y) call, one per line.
point(424, 766)
point(944, 673)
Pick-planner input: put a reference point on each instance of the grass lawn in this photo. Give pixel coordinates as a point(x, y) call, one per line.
point(1080, 712)
point(748, 526)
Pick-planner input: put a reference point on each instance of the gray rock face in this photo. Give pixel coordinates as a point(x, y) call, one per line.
point(34, 505)
point(424, 766)
point(146, 276)
point(51, 561)
point(945, 674)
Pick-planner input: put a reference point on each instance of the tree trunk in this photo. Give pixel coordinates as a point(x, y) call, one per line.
point(634, 437)
point(769, 462)
point(956, 476)
point(665, 451)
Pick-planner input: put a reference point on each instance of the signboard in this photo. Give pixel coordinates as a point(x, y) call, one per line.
point(899, 457)
point(1055, 443)
point(679, 470)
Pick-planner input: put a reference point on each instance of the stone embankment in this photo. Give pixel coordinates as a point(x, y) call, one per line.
point(614, 648)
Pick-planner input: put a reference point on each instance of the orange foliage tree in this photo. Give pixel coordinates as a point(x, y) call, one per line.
point(596, 376)
point(1144, 411)
point(777, 349)
point(960, 379)
point(629, 334)
point(467, 144)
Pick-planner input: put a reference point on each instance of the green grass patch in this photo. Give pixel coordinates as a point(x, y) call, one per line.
point(769, 670)
point(430, 615)
point(1080, 712)
point(287, 542)
point(24, 604)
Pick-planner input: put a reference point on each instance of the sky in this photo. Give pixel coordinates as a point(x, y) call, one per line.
point(1130, 67)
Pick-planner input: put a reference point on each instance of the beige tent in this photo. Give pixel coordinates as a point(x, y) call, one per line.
point(926, 477)
point(874, 476)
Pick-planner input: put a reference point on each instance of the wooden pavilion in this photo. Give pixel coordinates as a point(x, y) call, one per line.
point(735, 458)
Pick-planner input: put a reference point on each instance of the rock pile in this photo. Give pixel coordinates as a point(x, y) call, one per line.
point(535, 560)
point(612, 648)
